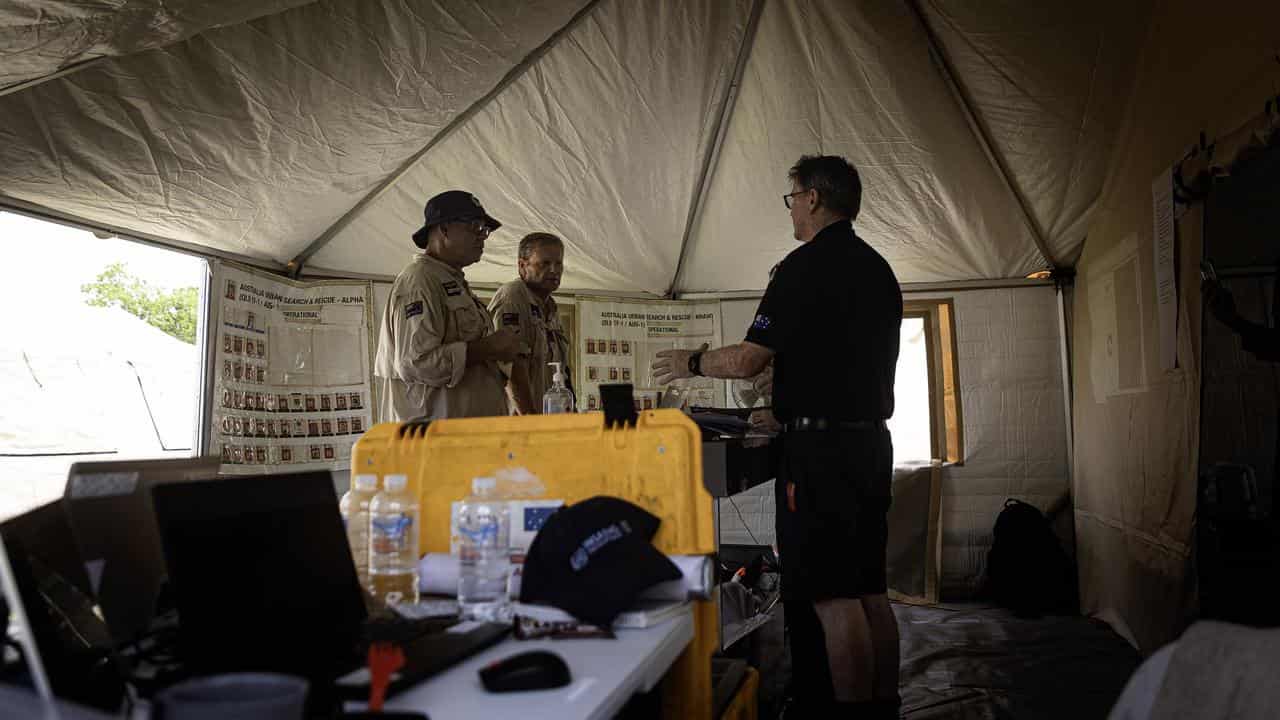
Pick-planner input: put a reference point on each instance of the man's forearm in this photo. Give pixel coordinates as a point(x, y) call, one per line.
point(735, 361)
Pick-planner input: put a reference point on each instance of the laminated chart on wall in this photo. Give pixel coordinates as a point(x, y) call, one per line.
point(1118, 356)
point(294, 381)
point(618, 342)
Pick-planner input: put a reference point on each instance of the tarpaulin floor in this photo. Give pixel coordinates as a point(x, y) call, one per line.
point(966, 662)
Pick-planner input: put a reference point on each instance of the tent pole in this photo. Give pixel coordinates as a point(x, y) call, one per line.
point(717, 142)
point(1064, 340)
point(295, 265)
point(63, 72)
point(980, 132)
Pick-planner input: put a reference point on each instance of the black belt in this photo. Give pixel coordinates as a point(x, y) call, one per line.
point(808, 424)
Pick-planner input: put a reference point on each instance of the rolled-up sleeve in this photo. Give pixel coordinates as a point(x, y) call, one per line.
point(422, 355)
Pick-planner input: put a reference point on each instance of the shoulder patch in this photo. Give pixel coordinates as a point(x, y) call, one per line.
point(762, 322)
point(511, 318)
point(413, 308)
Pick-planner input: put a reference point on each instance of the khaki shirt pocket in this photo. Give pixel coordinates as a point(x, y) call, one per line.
point(470, 325)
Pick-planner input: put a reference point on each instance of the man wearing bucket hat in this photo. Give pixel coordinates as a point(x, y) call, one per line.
point(438, 354)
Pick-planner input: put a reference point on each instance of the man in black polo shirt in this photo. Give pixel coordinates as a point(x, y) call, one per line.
point(830, 320)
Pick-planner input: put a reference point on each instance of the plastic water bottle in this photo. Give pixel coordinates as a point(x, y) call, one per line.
point(484, 555)
point(558, 398)
point(393, 543)
point(354, 507)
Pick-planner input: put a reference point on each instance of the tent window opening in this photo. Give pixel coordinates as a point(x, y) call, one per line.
point(926, 420)
point(100, 356)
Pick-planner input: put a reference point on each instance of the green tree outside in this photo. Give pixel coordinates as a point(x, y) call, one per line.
point(173, 311)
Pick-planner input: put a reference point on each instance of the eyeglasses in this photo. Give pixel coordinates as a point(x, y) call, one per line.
point(786, 199)
point(478, 227)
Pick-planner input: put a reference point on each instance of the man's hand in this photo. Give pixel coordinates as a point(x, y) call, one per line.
point(761, 422)
point(674, 364)
point(501, 346)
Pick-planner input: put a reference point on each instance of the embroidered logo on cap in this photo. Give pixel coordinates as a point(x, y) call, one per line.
point(595, 542)
point(413, 308)
point(762, 322)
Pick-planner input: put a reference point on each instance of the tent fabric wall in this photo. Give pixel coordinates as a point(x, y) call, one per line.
point(257, 135)
point(1044, 79)
point(1015, 428)
point(255, 138)
point(40, 39)
point(856, 79)
point(1135, 454)
point(600, 140)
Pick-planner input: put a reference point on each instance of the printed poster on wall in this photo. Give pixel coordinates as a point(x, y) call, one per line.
point(294, 370)
point(618, 342)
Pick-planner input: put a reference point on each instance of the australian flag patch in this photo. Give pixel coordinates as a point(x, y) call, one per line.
point(762, 323)
point(413, 308)
point(511, 319)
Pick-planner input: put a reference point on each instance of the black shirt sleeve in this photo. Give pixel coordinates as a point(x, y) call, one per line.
point(777, 317)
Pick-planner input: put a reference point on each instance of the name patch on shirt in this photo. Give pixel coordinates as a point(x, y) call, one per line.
point(511, 319)
point(413, 308)
point(452, 288)
point(762, 322)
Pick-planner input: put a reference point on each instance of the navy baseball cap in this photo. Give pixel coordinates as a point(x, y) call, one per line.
point(452, 206)
point(594, 558)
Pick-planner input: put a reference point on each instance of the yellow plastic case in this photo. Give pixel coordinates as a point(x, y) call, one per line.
point(657, 464)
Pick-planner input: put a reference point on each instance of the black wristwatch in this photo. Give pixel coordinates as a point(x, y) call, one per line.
point(695, 364)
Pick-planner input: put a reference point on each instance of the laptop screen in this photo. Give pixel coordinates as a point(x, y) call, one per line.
point(262, 574)
point(48, 579)
point(109, 504)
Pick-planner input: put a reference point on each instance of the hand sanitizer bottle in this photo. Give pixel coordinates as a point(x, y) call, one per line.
point(558, 399)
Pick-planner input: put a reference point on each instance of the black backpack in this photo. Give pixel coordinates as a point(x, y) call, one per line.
point(1027, 569)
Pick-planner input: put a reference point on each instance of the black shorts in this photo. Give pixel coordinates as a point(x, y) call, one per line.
point(833, 544)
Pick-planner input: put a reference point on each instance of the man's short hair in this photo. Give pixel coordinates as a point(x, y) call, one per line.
point(531, 242)
point(835, 179)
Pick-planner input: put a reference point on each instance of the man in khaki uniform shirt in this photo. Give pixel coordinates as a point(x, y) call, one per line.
point(438, 354)
point(526, 306)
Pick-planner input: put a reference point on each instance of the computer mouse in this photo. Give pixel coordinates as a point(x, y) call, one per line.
point(532, 670)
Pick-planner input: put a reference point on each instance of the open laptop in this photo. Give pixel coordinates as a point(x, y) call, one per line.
point(67, 647)
point(109, 505)
point(264, 581)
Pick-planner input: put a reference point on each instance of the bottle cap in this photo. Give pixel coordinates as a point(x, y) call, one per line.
point(365, 482)
point(395, 483)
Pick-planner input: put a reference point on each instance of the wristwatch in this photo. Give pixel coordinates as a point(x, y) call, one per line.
point(695, 364)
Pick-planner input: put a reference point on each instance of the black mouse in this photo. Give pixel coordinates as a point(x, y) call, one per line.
point(532, 670)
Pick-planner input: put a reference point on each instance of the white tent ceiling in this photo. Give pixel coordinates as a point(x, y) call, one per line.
point(273, 130)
